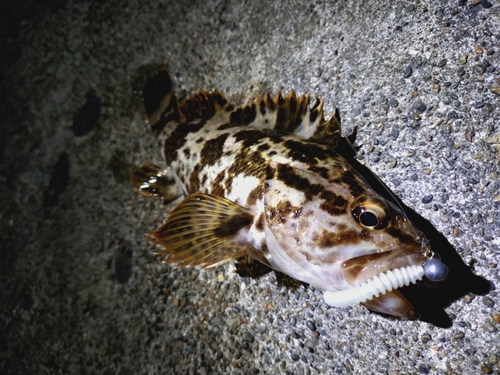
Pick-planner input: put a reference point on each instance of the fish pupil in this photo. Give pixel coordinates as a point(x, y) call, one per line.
point(368, 219)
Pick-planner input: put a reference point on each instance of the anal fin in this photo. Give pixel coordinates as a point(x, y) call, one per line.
point(154, 181)
point(204, 230)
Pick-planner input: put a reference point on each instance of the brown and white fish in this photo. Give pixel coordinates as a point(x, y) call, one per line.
point(265, 180)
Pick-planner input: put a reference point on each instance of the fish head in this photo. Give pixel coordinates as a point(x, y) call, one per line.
point(387, 240)
point(392, 255)
point(362, 251)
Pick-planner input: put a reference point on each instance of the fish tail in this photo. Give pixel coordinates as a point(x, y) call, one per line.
point(160, 101)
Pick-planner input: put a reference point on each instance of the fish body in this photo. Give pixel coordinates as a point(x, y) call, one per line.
point(266, 180)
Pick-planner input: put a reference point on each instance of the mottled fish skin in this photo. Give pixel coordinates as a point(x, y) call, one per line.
point(265, 180)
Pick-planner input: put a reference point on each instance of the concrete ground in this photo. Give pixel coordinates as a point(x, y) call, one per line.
point(81, 291)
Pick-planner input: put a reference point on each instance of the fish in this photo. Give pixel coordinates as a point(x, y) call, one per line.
point(267, 180)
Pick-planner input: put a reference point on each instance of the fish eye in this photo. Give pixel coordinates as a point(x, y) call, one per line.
point(368, 219)
point(371, 212)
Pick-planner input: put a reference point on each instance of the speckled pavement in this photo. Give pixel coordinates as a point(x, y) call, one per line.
point(82, 292)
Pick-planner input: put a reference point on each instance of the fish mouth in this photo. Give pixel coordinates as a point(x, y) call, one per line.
point(375, 284)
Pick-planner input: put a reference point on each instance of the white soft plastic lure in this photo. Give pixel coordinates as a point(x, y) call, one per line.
point(266, 180)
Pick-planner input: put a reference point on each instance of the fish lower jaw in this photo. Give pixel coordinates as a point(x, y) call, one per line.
point(380, 284)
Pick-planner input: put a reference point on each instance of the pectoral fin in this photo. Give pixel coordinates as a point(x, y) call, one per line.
point(153, 181)
point(204, 230)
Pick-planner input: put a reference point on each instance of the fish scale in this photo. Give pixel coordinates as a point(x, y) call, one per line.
point(266, 180)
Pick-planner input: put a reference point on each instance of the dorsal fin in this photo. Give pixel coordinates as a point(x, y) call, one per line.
point(290, 115)
point(328, 132)
point(293, 112)
point(204, 105)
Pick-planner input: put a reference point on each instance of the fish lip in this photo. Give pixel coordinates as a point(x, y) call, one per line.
point(393, 303)
point(383, 273)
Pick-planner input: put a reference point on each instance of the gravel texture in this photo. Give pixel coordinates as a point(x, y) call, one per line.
point(82, 292)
